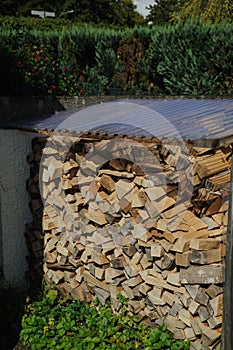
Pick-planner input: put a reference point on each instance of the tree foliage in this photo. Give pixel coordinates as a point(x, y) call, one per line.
point(161, 12)
point(210, 11)
point(113, 12)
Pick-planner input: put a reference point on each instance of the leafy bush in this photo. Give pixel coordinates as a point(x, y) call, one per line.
point(62, 324)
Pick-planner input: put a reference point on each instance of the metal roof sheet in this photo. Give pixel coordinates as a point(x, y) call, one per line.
point(185, 119)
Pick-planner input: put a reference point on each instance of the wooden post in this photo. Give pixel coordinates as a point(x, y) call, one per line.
point(227, 336)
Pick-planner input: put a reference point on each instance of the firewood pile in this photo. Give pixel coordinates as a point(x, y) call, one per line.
point(102, 227)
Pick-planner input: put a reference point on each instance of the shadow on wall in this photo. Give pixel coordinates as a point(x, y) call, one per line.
point(12, 302)
point(13, 108)
point(34, 231)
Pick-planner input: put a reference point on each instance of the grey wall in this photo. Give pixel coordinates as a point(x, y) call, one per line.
point(15, 145)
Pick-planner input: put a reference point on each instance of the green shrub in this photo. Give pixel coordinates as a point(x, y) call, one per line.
point(32, 23)
point(193, 59)
point(187, 59)
point(62, 323)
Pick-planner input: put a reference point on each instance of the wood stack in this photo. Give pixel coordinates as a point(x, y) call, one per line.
point(109, 228)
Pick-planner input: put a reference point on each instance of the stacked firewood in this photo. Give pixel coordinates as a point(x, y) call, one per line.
point(153, 232)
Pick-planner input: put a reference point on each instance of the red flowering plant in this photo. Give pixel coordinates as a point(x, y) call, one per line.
point(72, 80)
point(44, 71)
point(38, 66)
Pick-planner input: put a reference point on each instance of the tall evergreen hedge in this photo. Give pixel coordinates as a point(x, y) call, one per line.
point(187, 59)
point(193, 59)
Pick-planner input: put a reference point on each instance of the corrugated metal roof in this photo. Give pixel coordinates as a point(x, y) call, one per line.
point(186, 119)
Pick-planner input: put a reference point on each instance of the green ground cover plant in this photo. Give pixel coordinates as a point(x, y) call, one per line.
point(60, 323)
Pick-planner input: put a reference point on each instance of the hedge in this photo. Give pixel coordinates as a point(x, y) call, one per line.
point(187, 59)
